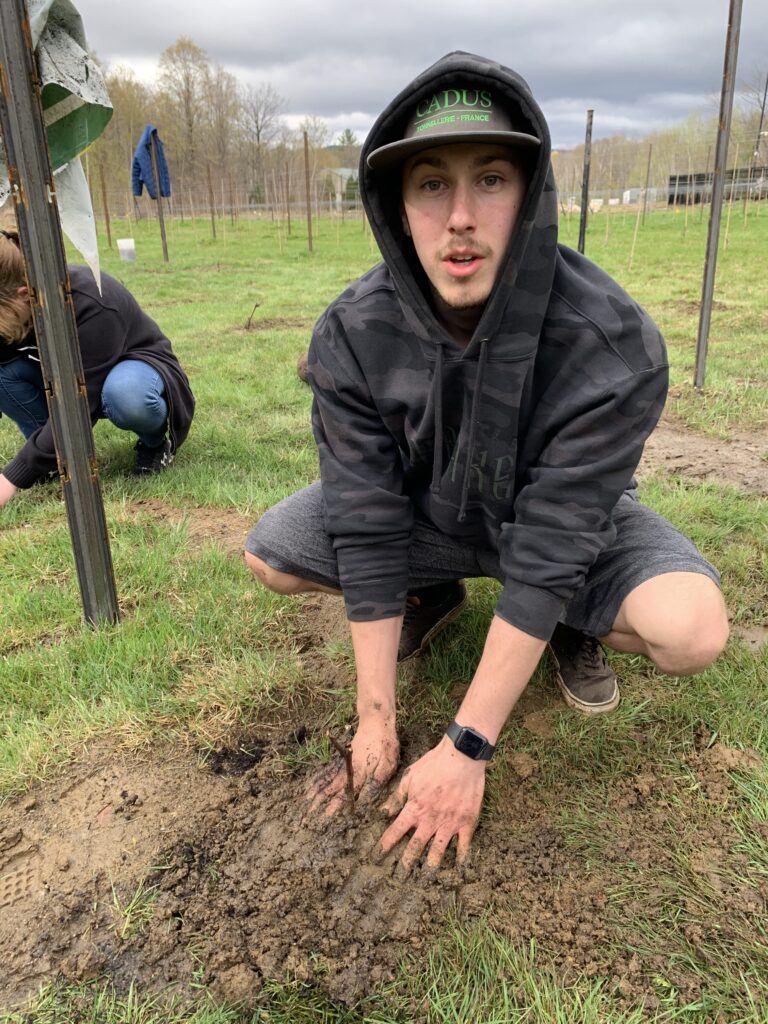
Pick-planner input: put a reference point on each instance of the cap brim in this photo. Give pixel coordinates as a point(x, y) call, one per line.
point(395, 152)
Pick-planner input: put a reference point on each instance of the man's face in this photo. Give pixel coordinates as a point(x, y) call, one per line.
point(460, 206)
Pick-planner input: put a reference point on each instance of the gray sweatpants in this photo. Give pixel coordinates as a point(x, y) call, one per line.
point(290, 537)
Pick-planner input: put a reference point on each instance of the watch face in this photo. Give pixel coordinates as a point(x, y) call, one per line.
point(470, 743)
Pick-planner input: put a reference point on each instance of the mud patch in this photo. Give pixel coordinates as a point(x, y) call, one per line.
point(754, 637)
point(223, 526)
point(692, 307)
point(284, 323)
point(170, 871)
point(740, 461)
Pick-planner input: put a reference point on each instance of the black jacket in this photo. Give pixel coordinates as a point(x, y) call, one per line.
point(521, 442)
point(111, 326)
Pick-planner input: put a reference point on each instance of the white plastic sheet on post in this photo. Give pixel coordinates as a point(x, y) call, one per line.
point(76, 109)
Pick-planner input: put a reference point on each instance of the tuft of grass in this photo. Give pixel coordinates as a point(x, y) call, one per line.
point(134, 913)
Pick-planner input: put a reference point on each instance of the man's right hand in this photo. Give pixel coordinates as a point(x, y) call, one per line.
point(375, 756)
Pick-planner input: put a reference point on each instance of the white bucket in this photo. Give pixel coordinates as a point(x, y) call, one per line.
point(127, 249)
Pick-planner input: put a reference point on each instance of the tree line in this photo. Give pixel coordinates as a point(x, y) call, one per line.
point(229, 142)
point(221, 137)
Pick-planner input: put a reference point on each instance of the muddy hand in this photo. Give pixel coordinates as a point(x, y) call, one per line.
point(438, 797)
point(375, 754)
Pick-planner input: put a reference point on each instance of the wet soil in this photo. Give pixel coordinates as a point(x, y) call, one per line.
point(169, 871)
point(740, 462)
point(173, 870)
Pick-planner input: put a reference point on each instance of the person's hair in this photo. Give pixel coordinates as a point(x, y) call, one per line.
point(15, 314)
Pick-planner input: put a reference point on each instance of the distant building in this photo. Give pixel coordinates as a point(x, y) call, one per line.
point(636, 195)
point(740, 182)
point(338, 179)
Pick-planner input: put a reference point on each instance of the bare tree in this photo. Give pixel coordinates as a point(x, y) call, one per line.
point(184, 72)
point(261, 109)
point(222, 111)
point(318, 132)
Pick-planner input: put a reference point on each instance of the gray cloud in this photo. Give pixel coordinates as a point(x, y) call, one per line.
point(638, 66)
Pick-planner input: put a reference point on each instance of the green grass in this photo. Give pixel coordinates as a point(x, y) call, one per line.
point(200, 651)
point(665, 277)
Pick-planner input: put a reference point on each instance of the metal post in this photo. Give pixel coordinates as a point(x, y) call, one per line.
point(705, 185)
point(306, 183)
point(105, 204)
point(762, 119)
point(156, 174)
point(647, 182)
point(211, 201)
point(585, 182)
point(756, 151)
point(36, 208)
point(721, 156)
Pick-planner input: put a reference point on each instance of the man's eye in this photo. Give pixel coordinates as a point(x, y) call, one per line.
point(491, 179)
point(432, 186)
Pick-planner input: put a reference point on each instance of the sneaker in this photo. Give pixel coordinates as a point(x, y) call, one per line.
point(427, 611)
point(586, 680)
point(152, 460)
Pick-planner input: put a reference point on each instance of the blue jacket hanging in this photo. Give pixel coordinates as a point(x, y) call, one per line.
point(142, 165)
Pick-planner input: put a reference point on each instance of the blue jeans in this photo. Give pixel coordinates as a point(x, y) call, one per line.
point(132, 398)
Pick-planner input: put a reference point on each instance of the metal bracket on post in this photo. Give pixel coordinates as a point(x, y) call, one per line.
point(34, 195)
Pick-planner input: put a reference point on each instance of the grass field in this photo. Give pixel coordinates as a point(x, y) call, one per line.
point(200, 651)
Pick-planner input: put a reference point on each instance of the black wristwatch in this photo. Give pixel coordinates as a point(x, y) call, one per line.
point(470, 742)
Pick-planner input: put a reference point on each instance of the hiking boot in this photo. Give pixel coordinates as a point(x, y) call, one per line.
point(586, 680)
point(152, 460)
point(427, 611)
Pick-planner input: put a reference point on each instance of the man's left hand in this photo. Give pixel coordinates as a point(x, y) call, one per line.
point(439, 797)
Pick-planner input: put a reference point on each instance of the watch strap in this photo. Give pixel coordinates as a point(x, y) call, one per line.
point(469, 742)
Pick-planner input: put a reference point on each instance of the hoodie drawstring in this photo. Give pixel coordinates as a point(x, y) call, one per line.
point(437, 390)
point(472, 430)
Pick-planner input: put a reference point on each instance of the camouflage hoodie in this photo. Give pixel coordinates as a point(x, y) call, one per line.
point(524, 440)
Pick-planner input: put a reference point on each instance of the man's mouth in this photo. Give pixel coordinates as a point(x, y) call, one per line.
point(461, 263)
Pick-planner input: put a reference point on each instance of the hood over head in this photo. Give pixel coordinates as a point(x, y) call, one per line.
point(464, 98)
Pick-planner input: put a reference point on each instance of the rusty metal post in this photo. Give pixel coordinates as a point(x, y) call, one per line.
point(585, 183)
point(309, 197)
point(36, 208)
point(721, 157)
point(156, 175)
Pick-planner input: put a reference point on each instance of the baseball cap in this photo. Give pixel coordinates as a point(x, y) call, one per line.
point(459, 113)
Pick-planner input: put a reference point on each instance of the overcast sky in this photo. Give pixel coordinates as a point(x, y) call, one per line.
point(640, 65)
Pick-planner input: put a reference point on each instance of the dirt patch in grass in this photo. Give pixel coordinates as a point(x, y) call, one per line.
point(223, 526)
point(741, 462)
point(280, 323)
point(172, 871)
point(692, 307)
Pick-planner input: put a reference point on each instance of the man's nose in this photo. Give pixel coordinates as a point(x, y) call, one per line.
point(462, 212)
